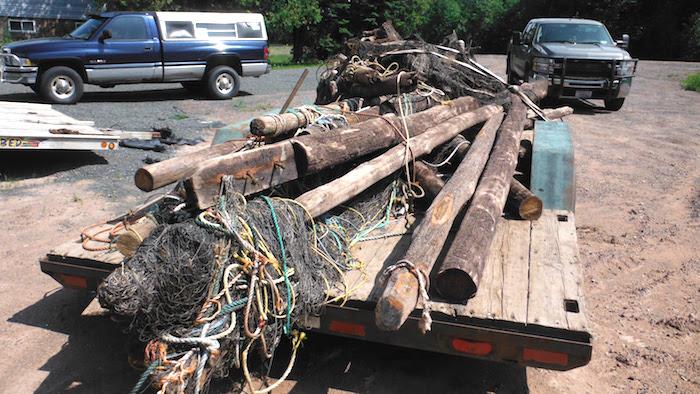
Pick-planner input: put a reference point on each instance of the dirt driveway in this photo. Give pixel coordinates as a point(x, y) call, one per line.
point(638, 216)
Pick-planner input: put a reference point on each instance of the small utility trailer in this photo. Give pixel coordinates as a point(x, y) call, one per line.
point(30, 126)
point(529, 309)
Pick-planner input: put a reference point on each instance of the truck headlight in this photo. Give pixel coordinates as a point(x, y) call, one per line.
point(625, 68)
point(25, 62)
point(18, 61)
point(543, 65)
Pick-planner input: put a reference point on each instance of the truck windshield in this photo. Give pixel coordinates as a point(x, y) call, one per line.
point(574, 33)
point(85, 30)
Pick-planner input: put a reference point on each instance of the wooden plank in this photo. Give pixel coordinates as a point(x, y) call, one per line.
point(568, 252)
point(48, 118)
point(16, 124)
point(516, 263)
point(546, 285)
point(75, 250)
point(488, 301)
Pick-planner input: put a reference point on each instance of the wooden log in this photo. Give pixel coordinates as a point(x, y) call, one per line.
point(463, 265)
point(319, 151)
point(127, 242)
point(286, 160)
point(523, 202)
point(385, 85)
point(326, 197)
point(156, 175)
point(428, 179)
point(552, 114)
point(400, 294)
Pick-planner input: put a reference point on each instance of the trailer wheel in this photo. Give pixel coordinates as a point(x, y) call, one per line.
point(223, 82)
point(61, 85)
point(614, 104)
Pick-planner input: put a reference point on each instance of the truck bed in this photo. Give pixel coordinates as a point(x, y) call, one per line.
point(529, 308)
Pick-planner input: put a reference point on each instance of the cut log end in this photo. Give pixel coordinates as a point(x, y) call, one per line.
point(455, 285)
point(144, 180)
point(389, 314)
point(531, 208)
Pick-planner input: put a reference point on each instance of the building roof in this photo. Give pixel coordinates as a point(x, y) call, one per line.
point(47, 9)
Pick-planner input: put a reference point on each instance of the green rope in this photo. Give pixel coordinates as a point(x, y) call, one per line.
point(144, 377)
point(234, 306)
point(288, 324)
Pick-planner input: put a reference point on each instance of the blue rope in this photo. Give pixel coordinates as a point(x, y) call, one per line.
point(144, 377)
point(288, 324)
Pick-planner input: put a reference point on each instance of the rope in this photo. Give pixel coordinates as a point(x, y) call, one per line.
point(144, 377)
point(288, 323)
point(442, 163)
point(426, 321)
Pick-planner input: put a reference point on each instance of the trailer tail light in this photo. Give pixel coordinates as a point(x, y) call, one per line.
point(76, 282)
point(266, 53)
point(342, 327)
point(471, 347)
point(545, 357)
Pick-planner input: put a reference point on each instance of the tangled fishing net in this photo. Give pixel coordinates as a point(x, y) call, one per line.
point(205, 293)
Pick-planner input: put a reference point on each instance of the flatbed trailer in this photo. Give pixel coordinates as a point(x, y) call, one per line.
point(528, 310)
point(30, 126)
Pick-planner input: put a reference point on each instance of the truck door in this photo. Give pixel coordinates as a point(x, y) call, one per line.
point(521, 53)
point(127, 50)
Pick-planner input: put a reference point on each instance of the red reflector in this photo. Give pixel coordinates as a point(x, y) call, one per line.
point(544, 356)
point(77, 282)
point(475, 348)
point(266, 53)
point(347, 328)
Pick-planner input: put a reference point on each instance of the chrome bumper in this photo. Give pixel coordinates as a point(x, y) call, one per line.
point(255, 69)
point(16, 74)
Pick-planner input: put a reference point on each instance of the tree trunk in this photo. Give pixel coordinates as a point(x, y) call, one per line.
point(401, 291)
point(463, 266)
point(298, 45)
point(326, 197)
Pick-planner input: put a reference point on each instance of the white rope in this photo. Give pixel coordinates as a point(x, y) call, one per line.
point(426, 321)
point(442, 163)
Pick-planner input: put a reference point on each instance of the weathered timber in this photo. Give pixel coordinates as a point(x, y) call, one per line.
point(278, 125)
point(406, 82)
point(129, 241)
point(536, 90)
point(156, 175)
point(461, 270)
point(428, 179)
point(319, 151)
point(523, 202)
point(551, 113)
point(274, 164)
point(294, 91)
point(326, 197)
point(400, 294)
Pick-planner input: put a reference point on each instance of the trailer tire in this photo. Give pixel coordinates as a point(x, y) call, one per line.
point(223, 82)
point(614, 104)
point(61, 85)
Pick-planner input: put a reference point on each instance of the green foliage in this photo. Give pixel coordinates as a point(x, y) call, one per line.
point(692, 82)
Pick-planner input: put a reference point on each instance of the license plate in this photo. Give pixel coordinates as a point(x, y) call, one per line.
point(584, 94)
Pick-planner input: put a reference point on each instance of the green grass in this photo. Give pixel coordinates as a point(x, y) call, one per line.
point(281, 58)
point(692, 82)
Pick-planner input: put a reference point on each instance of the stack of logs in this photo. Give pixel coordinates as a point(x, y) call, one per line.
point(374, 144)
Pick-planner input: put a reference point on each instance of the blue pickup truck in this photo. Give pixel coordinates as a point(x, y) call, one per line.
point(205, 52)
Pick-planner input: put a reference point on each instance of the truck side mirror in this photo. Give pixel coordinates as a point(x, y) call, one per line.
point(625, 42)
point(517, 38)
point(106, 34)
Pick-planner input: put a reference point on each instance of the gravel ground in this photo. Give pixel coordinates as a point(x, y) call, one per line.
point(141, 108)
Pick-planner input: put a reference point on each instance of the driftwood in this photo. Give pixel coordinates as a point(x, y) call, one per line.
point(401, 291)
point(523, 202)
point(552, 114)
point(405, 82)
point(156, 175)
point(127, 242)
point(274, 164)
point(464, 262)
point(428, 179)
point(326, 197)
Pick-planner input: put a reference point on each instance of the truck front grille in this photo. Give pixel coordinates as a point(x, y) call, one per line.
point(588, 68)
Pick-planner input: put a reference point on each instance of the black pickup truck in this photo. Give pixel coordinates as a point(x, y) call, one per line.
point(578, 57)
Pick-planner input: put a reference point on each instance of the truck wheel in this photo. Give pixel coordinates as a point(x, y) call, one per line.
point(614, 104)
point(61, 85)
point(223, 82)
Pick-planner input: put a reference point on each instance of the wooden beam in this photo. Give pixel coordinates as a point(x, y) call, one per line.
point(342, 189)
point(523, 202)
point(459, 275)
point(400, 294)
point(157, 175)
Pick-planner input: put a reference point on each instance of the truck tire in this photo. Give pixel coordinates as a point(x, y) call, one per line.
point(223, 82)
point(614, 104)
point(61, 85)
